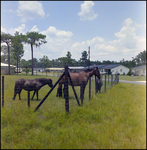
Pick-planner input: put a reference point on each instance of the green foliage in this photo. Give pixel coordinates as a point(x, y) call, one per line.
point(112, 120)
point(129, 73)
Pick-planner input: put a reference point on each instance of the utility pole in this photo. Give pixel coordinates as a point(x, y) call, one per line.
point(89, 55)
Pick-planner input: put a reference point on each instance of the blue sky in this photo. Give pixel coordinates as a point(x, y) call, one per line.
point(114, 30)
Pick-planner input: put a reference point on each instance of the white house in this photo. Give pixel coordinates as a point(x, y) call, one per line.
point(113, 68)
point(4, 69)
point(139, 71)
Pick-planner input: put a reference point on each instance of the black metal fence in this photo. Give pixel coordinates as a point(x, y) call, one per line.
point(105, 83)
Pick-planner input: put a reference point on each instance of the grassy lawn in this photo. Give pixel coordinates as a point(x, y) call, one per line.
point(112, 120)
point(132, 78)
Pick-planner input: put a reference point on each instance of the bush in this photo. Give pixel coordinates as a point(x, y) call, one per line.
point(129, 73)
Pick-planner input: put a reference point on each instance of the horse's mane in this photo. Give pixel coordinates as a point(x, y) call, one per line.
point(41, 79)
point(87, 70)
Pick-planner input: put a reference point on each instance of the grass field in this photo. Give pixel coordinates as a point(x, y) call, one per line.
point(115, 119)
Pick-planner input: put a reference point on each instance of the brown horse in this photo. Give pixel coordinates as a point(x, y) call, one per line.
point(78, 79)
point(30, 85)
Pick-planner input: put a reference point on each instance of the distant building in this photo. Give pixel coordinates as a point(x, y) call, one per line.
point(71, 69)
point(5, 67)
point(76, 69)
point(139, 71)
point(113, 69)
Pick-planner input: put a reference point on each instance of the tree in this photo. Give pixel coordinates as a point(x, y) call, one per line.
point(141, 58)
point(69, 59)
point(34, 39)
point(7, 38)
point(4, 56)
point(45, 62)
point(84, 59)
point(17, 48)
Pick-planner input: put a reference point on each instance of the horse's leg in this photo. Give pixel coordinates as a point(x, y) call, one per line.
point(64, 92)
point(82, 89)
point(37, 94)
point(19, 94)
point(14, 95)
point(33, 95)
point(59, 91)
point(15, 92)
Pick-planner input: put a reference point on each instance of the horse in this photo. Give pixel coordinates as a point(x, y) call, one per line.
point(99, 84)
point(78, 79)
point(30, 85)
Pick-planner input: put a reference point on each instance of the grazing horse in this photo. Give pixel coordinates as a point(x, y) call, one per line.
point(78, 79)
point(30, 85)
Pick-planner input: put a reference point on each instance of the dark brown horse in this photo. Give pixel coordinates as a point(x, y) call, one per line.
point(30, 85)
point(78, 79)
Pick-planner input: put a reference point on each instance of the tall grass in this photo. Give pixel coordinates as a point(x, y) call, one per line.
point(115, 119)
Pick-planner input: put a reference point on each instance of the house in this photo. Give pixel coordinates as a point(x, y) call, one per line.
point(5, 69)
point(139, 71)
point(113, 68)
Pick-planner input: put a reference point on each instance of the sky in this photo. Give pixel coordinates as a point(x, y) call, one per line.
point(114, 30)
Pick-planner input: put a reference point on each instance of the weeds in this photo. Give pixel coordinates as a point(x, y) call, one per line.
point(115, 119)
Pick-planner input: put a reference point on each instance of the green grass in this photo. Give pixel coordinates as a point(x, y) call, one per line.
point(115, 119)
point(132, 78)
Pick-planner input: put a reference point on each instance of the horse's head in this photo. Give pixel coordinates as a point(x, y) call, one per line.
point(97, 72)
point(49, 81)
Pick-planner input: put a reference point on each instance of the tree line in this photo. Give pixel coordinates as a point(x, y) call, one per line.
point(13, 52)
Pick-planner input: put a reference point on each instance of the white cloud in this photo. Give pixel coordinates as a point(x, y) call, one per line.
point(87, 13)
point(3, 30)
point(58, 43)
point(127, 37)
point(34, 29)
point(126, 41)
point(11, 31)
point(30, 10)
point(128, 22)
point(21, 29)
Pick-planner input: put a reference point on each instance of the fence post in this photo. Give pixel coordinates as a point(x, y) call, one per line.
point(111, 80)
point(66, 90)
point(2, 91)
point(105, 82)
point(118, 78)
point(89, 88)
point(82, 92)
point(108, 78)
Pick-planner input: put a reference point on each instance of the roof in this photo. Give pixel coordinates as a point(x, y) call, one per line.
point(54, 68)
point(105, 66)
point(139, 67)
point(76, 67)
point(110, 66)
point(6, 65)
